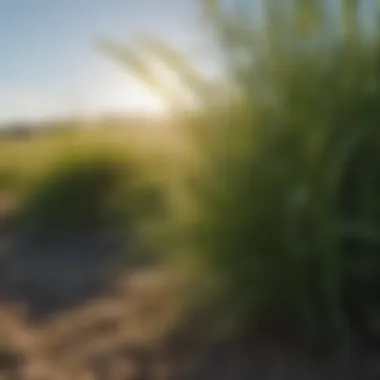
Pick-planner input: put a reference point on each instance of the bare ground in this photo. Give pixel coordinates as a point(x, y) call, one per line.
point(131, 332)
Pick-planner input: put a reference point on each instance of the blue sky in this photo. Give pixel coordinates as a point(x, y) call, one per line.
point(49, 65)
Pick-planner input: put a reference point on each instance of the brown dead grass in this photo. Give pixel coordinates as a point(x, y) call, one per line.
point(105, 339)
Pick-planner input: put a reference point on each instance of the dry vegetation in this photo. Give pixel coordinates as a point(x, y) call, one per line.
point(114, 338)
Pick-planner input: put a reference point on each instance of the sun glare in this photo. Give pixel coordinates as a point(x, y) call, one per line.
point(142, 100)
point(132, 97)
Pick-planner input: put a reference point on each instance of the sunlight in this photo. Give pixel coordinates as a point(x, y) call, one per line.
point(138, 98)
point(133, 97)
point(116, 93)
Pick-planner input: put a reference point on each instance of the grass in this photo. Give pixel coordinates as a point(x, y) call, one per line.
point(78, 179)
point(97, 337)
point(56, 177)
point(280, 206)
point(272, 204)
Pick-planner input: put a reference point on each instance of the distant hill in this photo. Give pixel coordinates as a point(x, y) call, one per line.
point(27, 130)
point(17, 131)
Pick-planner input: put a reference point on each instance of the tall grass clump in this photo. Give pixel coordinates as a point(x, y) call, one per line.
point(285, 204)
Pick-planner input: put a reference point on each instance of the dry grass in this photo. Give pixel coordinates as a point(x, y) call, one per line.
point(109, 339)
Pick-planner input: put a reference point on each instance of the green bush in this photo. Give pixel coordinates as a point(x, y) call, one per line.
point(8, 179)
point(85, 191)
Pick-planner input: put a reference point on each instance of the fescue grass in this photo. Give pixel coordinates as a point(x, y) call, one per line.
point(281, 209)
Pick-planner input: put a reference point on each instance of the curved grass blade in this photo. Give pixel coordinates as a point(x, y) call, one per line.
point(142, 69)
